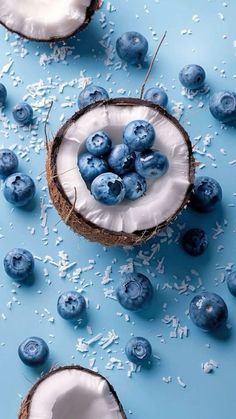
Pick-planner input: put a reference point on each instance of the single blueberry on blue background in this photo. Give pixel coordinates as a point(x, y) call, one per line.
point(231, 282)
point(23, 113)
point(98, 144)
point(157, 95)
point(33, 351)
point(135, 186)
point(3, 94)
point(19, 189)
point(222, 106)
point(192, 76)
point(91, 94)
point(139, 135)
point(151, 164)
point(135, 291)
point(121, 160)
point(19, 264)
point(132, 47)
point(208, 311)
point(8, 162)
point(108, 189)
point(195, 241)
point(138, 350)
point(70, 305)
point(90, 167)
point(206, 194)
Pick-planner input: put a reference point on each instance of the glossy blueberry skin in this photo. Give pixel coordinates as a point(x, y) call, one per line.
point(139, 135)
point(19, 264)
point(23, 113)
point(70, 305)
point(208, 311)
point(90, 167)
point(19, 189)
point(98, 144)
point(33, 351)
point(231, 282)
point(192, 76)
point(138, 350)
point(121, 160)
point(157, 95)
point(222, 106)
point(151, 164)
point(3, 94)
point(135, 291)
point(8, 162)
point(108, 189)
point(195, 242)
point(132, 47)
point(206, 194)
point(91, 94)
point(135, 186)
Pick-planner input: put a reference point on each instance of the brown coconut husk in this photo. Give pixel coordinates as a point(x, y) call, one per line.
point(95, 5)
point(75, 220)
point(25, 405)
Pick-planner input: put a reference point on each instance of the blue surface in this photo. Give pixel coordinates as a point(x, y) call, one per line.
point(145, 394)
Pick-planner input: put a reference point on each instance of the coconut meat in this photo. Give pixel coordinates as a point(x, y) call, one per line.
point(44, 19)
point(74, 394)
point(164, 195)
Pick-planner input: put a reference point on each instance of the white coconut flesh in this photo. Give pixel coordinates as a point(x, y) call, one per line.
point(164, 196)
point(44, 19)
point(74, 394)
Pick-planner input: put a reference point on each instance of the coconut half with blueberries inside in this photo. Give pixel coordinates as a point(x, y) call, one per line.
point(46, 20)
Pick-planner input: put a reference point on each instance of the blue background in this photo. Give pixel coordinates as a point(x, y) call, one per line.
point(145, 395)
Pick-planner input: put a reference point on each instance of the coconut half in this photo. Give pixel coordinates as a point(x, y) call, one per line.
point(130, 222)
point(46, 20)
point(72, 392)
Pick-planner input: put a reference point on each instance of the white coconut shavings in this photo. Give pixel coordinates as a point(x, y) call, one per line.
point(209, 366)
point(181, 383)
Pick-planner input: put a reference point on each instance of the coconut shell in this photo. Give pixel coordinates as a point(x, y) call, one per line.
point(75, 220)
point(25, 405)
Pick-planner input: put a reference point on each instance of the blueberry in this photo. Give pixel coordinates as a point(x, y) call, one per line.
point(231, 282)
point(222, 105)
point(33, 351)
point(19, 189)
point(3, 94)
point(138, 350)
point(206, 194)
point(108, 189)
point(98, 144)
point(151, 164)
point(195, 241)
point(90, 167)
point(121, 160)
point(208, 311)
point(23, 113)
point(135, 291)
point(139, 135)
point(8, 162)
point(19, 264)
point(91, 94)
point(135, 186)
point(192, 76)
point(132, 47)
point(70, 305)
point(157, 95)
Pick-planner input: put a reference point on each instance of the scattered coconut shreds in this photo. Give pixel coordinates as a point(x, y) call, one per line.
point(181, 383)
point(209, 366)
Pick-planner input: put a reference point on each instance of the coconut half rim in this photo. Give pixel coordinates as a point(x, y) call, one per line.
point(72, 392)
point(45, 20)
point(104, 224)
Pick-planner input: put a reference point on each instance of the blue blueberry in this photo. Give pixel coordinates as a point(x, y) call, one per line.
point(157, 95)
point(121, 160)
point(132, 47)
point(208, 311)
point(98, 144)
point(23, 113)
point(135, 186)
point(151, 164)
point(206, 194)
point(70, 305)
point(8, 162)
point(139, 135)
point(3, 95)
point(33, 351)
point(135, 291)
point(91, 94)
point(195, 241)
point(222, 106)
point(138, 350)
point(192, 76)
point(19, 264)
point(90, 167)
point(231, 282)
point(19, 189)
point(108, 189)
